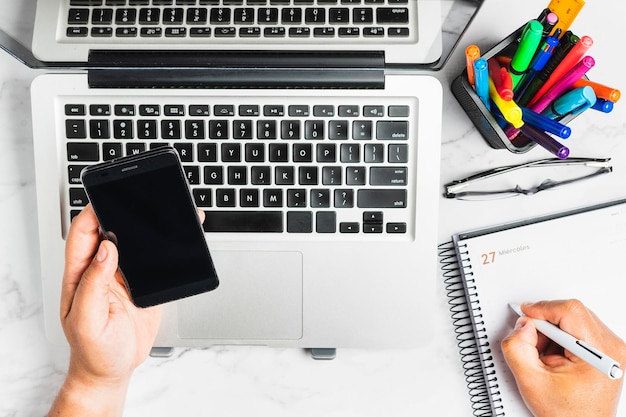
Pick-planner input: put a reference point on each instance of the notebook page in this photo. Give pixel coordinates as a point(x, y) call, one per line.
point(578, 256)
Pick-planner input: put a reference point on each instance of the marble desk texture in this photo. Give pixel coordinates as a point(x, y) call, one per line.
point(236, 381)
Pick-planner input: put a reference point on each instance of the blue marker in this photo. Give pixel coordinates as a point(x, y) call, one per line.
point(574, 102)
point(545, 123)
point(605, 106)
point(481, 80)
point(539, 61)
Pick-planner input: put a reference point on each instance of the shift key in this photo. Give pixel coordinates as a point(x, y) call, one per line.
point(381, 198)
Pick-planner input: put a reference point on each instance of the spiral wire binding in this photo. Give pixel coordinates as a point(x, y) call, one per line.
point(466, 314)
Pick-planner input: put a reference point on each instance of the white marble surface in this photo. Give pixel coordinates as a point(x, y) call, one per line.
point(234, 381)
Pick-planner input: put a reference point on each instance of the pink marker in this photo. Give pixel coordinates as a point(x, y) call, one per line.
point(564, 84)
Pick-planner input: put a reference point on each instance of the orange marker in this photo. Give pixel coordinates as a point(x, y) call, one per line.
point(472, 53)
point(602, 91)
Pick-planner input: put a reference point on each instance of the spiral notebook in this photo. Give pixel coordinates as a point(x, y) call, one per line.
point(575, 254)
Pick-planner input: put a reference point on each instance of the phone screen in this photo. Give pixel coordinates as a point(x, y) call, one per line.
point(144, 206)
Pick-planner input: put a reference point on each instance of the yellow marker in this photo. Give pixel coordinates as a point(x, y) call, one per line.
point(566, 10)
point(509, 109)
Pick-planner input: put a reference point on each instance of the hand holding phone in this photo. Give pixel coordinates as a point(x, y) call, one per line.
point(144, 206)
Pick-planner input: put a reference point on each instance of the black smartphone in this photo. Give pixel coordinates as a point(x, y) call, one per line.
point(144, 205)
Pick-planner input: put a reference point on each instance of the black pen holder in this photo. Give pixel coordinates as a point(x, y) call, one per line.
point(483, 119)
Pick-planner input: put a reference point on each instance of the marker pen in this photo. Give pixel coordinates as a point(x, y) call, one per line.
point(573, 102)
point(481, 75)
point(544, 123)
point(544, 140)
point(472, 53)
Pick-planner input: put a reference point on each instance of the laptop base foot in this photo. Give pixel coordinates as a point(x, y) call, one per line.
point(161, 352)
point(324, 354)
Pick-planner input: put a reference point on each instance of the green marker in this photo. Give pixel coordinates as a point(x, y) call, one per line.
point(528, 44)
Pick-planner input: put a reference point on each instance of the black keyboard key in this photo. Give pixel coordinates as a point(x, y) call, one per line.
point(202, 197)
point(392, 15)
point(197, 16)
point(244, 221)
point(213, 175)
point(249, 197)
point(398, 111)
point(78, 16)
point(149, 16)
point(338, 129)
point(326, 222)
point(73, 173)
point(220, 16)
point(135, 148)
point(192, 173)
point(272, 197)
point(78, 197)
point(349, 227)
point(75, 129)
point(396, 227)
point(87, 152)
point(266, 129)
point(194, 129)
point(315, 15)
point(102, 32)
point(339, 15)
point(125, 16)
point(99, 129)
point(85, 2)
point(77, 32)
point(392, 130)
point(388, 176)
point(344, 198)
point(170, 129)
point(284, 175)
point(123, 129)
point(381, 198)
point(185, 151)
point(111, 151)
point(299, 222)
point(102, 16)
point(398, 154)
point(225, 197)
point(147, 129)
point(173, 15)
point(308, 175)
point(279, 152)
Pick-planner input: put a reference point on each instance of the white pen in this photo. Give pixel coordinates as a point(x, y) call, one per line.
point(589, 354)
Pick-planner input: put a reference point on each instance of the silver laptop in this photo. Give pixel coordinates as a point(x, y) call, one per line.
point(406, 30)
point(317, 164)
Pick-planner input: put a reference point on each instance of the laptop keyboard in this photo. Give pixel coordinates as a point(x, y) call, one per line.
point(319, 165)
point(341, 21)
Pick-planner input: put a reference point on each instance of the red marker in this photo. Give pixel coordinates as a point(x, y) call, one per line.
point(501, 79)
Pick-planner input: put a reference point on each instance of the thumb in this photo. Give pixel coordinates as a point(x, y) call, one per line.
point(91, 300)
point(520, 348)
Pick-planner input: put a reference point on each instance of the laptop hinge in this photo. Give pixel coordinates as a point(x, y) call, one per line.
point(236, 69)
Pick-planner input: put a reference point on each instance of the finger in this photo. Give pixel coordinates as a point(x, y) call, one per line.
point(91, 300)
point(201, 215)
point(82, 243)
point(520, 349)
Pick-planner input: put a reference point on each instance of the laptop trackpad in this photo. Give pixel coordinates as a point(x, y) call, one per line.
point(259, 297)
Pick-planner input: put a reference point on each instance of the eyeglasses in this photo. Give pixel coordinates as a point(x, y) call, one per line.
point(455, 189)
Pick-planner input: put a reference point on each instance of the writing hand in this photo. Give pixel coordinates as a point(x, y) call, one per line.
point(554, 382)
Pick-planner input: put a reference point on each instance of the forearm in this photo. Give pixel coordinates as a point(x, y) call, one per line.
point(79, 397)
